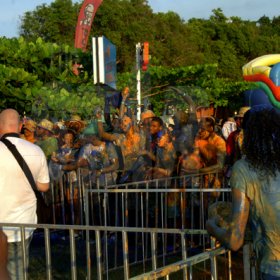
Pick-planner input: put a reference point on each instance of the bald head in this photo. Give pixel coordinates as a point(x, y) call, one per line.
point(9, 121)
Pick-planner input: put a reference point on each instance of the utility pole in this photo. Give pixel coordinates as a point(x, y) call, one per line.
point(142, 61)
point(138, 78)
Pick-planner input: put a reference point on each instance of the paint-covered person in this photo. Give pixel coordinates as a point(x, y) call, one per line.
point(100, 157)
point(185, 125)
point(210, 145)
point(164, 159)
point(146, 157)
point(129, 142)
point(255, 183)
point(146, 118)
point(212, 151)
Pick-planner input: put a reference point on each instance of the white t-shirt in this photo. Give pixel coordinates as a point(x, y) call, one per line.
point(228, 128)
point(17, 198)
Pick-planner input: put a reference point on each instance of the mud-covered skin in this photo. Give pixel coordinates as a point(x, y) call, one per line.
point(232, 234)
point(260, 196)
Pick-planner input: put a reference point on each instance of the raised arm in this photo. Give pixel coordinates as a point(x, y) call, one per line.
point(103, 134)
point(125, 94)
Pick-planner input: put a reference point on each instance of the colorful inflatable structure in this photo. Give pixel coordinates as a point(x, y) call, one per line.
point(265, 71)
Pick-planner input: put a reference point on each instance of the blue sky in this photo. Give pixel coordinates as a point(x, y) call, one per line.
point(11, 10)
point(246, 9)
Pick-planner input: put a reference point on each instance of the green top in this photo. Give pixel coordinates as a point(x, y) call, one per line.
point(264, 195)
point(48, 145)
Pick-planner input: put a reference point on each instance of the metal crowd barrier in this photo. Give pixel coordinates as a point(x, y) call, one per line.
point(89, 257)
point(177, 202)
point(139, 230)
point(171, 203)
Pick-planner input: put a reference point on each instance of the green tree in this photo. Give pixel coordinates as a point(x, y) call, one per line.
point(54, 23)
point(36, 77)
point(228, 43)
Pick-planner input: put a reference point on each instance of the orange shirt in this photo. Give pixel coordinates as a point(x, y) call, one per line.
point(212, 150)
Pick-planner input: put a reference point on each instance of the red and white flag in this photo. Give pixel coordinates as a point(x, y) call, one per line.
point(84, 23)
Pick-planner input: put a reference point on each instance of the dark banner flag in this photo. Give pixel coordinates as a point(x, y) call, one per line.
point(84, 23)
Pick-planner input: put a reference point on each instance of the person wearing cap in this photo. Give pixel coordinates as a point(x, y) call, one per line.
point(29, 130)
point(234, 142)
point(146, 116)
point(47, 142)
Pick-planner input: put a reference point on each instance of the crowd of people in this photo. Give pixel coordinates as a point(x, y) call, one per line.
point(133, 151)
point(244, 148)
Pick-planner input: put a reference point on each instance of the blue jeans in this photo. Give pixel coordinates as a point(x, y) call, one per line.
point(269, 277)
point(15, 259)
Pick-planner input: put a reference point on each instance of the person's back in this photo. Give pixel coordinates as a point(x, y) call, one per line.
point(264, 196)
point(255, 182)
point(17, 200)
point(185, 130)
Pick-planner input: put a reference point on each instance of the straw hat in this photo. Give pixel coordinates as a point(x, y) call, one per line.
point(75, 118)
point(30, 125)
point(75, 123)
point(242, 112)
point(60, 124)
point(147, 114)
point(46, 124)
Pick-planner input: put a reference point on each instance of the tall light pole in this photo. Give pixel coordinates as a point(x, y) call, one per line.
point(138, 78)
point(142, 61)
